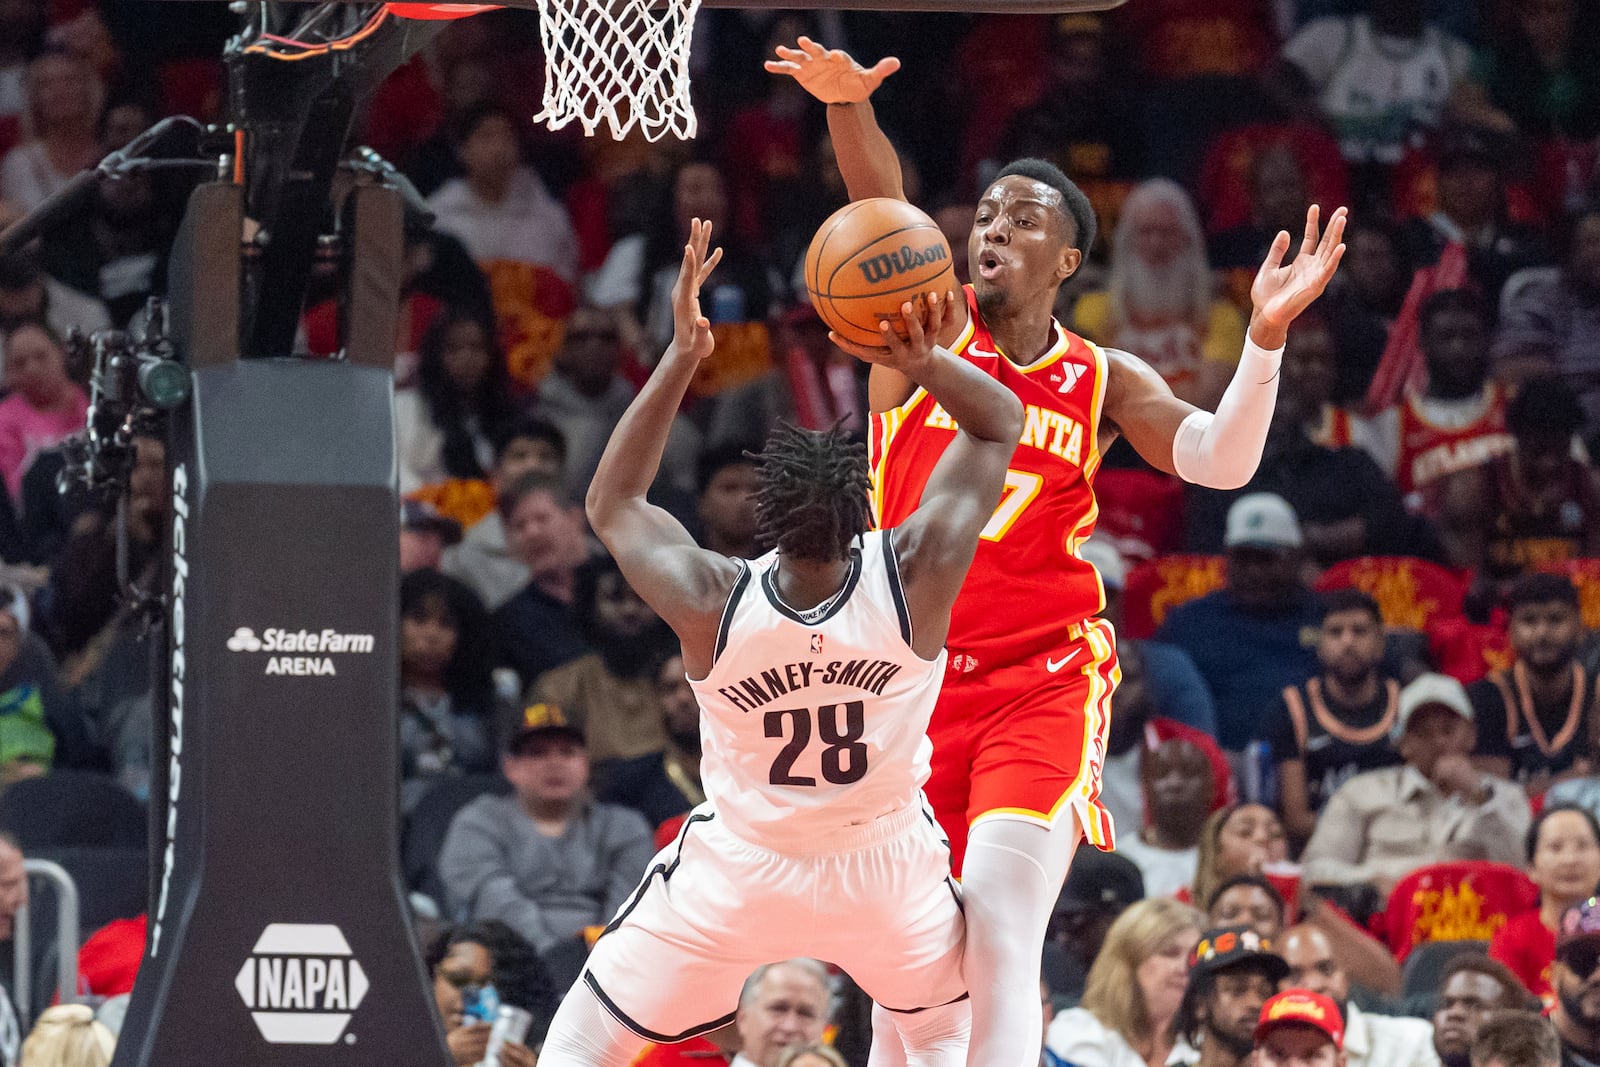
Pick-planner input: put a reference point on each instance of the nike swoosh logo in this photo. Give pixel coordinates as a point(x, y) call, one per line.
point(1053, 665)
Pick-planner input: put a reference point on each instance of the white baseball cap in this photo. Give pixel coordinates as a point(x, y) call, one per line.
point(1107, 560)
point(1262, 520)
point(1432, 690)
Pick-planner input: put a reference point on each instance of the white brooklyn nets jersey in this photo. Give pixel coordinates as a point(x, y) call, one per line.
point(816, 721)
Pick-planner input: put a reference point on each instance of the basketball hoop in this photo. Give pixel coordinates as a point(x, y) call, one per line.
point(625, 63)
point(621, 62)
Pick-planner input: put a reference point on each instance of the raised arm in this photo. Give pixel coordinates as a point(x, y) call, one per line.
point(867, 160)
point(685, 584)
point(1222, 450)
point(935, 544)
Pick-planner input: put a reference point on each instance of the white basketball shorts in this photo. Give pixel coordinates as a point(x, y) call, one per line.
point(879, 903)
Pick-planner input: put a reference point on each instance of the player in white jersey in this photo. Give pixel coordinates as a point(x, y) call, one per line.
point(829, 672)
point(816, 667)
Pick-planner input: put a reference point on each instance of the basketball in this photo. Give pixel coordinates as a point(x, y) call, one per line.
point(868, 259)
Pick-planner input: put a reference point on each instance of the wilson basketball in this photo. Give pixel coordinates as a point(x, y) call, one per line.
point(868, 259)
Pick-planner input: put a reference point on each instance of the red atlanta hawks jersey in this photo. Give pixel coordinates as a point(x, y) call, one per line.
point(1027, 583)
point(1429, 451)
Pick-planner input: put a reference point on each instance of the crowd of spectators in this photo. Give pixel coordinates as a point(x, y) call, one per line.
point(1359, 714)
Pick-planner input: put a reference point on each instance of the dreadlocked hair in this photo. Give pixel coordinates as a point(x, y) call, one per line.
point(813, 499)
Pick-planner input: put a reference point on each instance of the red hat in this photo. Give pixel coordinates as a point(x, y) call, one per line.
point(1305, 1008)
point(1160, 729)
point(108, 961)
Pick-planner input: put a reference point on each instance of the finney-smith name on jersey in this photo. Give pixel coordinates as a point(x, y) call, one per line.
point(770, 684)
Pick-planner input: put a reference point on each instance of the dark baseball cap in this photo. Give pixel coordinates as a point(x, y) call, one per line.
point(542, 720)
point(422, 516)
point(1233, 946)
point(1100, 881)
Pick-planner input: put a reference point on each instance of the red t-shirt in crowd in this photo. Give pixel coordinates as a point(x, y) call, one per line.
point(1527, 946)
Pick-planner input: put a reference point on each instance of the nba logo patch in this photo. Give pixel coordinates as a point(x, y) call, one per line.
point(816, 642)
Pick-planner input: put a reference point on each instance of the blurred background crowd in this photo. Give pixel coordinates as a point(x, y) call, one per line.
point(1359, 712)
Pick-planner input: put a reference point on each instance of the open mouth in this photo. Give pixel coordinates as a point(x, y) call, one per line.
point(988, 264)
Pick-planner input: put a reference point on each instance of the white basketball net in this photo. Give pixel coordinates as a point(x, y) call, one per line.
point(620, 62)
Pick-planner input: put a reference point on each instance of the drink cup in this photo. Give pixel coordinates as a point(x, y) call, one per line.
point(510, 1024)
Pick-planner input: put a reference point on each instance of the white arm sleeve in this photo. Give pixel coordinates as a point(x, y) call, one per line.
point(1222, 450)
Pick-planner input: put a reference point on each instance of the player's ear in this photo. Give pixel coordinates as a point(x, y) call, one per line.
point(1071, 260)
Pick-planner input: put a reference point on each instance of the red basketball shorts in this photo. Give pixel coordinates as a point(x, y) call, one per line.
point(1025, 740)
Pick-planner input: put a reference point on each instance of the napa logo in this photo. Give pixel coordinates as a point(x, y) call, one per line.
point(302, 984)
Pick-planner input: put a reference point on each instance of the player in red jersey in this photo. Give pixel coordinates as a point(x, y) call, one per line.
point(1019, 731)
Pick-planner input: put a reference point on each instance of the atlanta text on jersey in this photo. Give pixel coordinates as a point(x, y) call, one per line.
point(1053, 432)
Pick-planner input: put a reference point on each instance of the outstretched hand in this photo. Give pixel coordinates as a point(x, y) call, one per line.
point(1283, 290)
point(830, 75)
point(925, 319)
point(691, 331)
